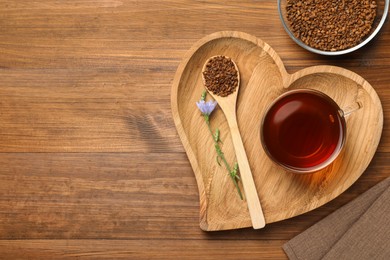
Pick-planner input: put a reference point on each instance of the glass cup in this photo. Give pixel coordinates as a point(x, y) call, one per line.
point(304, 130)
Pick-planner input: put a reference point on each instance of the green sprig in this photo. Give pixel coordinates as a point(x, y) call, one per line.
point(233, 173)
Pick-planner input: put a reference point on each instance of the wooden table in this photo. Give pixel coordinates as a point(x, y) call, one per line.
point(91, 163)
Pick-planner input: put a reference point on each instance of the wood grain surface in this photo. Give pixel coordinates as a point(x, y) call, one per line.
point(91, 163)
point(263, 78)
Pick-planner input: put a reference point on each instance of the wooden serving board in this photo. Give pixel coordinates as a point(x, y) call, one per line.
point(263, 78)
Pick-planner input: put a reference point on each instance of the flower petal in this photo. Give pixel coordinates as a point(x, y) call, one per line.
point(200, 104)
point(206, 107)
point(210, 106)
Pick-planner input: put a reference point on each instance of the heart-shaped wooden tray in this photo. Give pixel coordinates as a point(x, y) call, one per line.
point(263, 78)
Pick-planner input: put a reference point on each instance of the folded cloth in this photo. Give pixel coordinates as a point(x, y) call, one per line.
point(358, 230)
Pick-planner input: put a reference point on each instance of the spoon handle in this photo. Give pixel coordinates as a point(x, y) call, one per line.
point(252, 198)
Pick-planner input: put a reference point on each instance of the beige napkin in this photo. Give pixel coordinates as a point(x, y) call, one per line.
point(358, 230)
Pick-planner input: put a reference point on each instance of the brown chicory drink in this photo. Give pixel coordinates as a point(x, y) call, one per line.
point(303, 130)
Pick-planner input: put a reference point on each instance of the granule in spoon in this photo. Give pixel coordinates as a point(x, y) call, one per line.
point(220, 76)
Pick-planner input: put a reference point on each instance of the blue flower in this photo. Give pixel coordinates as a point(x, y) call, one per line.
point(206, 107)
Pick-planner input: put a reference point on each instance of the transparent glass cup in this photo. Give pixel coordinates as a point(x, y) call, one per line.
point(304, 130)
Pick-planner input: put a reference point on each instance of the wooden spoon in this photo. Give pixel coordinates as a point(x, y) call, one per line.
point(228, 106)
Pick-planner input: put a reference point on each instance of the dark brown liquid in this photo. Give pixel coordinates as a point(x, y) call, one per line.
point(303, 130)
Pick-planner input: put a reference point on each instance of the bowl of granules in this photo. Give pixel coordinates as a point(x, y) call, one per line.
point(332, 27)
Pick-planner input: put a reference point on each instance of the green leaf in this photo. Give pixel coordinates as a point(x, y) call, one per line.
point(216, 135)
point(219, 160)
point(203, 96)
point(235, 167)
point(219, 151)
point(234, 172)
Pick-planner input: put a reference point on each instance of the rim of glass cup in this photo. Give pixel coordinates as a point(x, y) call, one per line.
point(334, 53)
point(313, 169)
